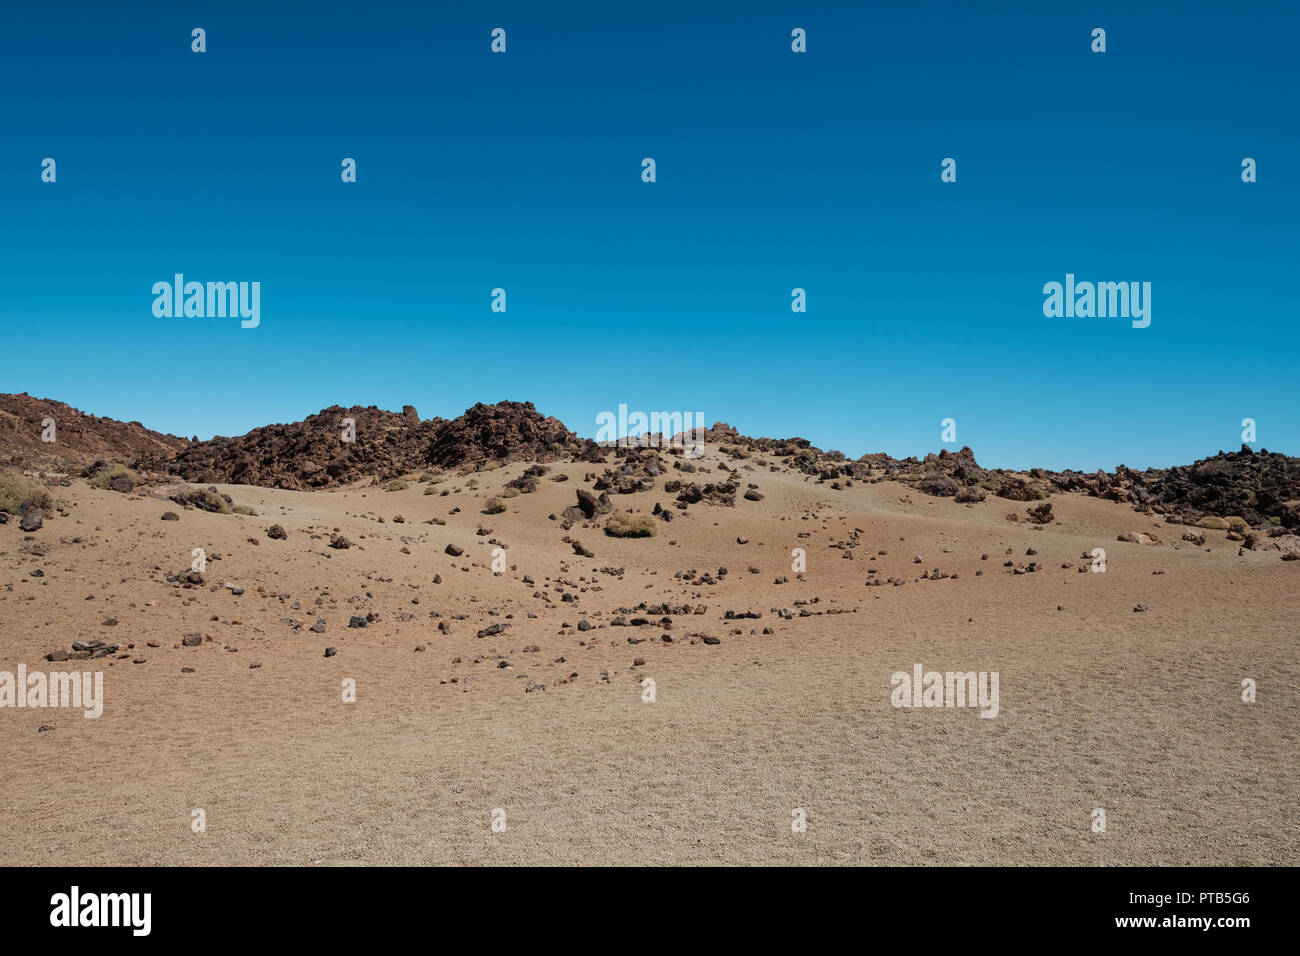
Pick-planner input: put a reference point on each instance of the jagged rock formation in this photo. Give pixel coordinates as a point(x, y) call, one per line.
point(311, 453)
point(506, 431)
point(1261, 487)
point(79, 438)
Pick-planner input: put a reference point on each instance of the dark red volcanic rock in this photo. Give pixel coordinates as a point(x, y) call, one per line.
point(79, 438)
point(506, 431)
point(1262, 487)
point(311, 453)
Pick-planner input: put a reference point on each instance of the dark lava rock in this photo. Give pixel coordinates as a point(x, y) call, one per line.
point(939, 484)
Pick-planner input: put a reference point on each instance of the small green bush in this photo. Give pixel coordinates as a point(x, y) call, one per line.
point(17, 494)
point(630, 526)
point(104, 477)
point(203, 499)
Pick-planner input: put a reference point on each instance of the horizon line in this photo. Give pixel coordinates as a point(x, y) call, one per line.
point(952, 448)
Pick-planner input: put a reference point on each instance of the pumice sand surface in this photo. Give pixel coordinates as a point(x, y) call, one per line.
point(440, 669)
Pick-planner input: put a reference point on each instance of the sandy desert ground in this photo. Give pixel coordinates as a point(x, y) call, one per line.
point(1138, 713)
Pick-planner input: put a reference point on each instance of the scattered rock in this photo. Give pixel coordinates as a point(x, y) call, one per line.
point(1138, 537)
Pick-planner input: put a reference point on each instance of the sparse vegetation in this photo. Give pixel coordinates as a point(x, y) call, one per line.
point(244, 510)
point(205, 499)
point(510, 493)
point(105, 477)
point(17, 494)
point(397, 484)
point(1213, 523)
point(630, 526)
point(494, 506)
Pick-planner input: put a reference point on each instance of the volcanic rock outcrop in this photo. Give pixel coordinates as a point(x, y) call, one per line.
point(78, 438)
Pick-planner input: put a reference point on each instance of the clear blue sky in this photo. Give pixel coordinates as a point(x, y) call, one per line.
point(776, 170)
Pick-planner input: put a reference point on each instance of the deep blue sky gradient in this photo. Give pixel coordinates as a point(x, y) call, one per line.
point(775, 170)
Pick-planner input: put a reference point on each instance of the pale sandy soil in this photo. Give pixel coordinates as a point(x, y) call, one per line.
point(1136, 713)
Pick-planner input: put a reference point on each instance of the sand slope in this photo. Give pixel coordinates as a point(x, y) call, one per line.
point(1136, 713)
